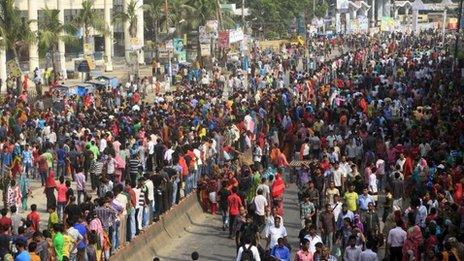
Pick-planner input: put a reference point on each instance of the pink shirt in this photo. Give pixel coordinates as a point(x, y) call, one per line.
point(80, 181)
point(304, 256)
point(61, 188)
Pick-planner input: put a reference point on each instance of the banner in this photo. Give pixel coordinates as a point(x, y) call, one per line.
point(212, 28)
point(235, 35)
point(178, 45)
point(203, 35)
point(223, 39)
point(360, 24)
point(205, 50)
point(388, 24)
point(342, 6)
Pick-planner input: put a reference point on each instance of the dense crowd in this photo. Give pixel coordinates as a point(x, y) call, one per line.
point(369, 130)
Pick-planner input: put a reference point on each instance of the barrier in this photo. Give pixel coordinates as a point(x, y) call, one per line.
point(171, 225)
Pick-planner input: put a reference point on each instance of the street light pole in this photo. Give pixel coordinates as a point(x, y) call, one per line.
point(243, 16)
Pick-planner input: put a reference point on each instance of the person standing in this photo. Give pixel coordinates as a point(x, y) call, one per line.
point(80, 184)
point(260, 209)
point(25, 189)
point(395, 241)
point(368, 254)
point(328, 227)
point(223, 194)
point(304, 254)
point(275, 232)
point(352, 252)
point(62, 201)
point(234, 203)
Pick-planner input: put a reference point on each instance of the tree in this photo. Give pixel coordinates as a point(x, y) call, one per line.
point(154, 9)
point(89, 18)
point(51, 30)
point(14, 29)
point(129, 16)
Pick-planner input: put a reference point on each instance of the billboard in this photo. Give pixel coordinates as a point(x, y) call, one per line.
point(223, 39)
point(236, 35)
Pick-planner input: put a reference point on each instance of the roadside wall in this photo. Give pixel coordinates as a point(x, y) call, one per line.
point(170, 226)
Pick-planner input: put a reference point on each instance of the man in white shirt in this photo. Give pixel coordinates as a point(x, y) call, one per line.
point(368, 254)
point(149, 190)
point(264, 188)
point(260, 205)
point(248, 246)
point(352, 252)
point(275, 232)
point(395, 240)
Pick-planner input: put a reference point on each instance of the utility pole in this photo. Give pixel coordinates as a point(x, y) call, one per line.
point(243, 16)
point(166, 15)
point(459, 32)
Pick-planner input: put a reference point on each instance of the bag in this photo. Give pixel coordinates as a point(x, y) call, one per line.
point(247, 254)
point(252, 206)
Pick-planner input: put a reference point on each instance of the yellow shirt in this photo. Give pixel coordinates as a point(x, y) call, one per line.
point(351, 199)
point(68, 245)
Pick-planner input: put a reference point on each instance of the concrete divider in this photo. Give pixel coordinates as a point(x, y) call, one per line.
point(171, 225)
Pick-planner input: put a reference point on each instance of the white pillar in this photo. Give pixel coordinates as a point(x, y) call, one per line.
point(127, 37)
point(415, 15)
point(140, 28)
point(3, 74)
point(395, 13)
point(33, 47)
point(337, 22)
point(61, 47)
point(109, 36)
point(386, 8)
point(372, 19)
point(443, 28)
point(380, 4)
point(347, 20)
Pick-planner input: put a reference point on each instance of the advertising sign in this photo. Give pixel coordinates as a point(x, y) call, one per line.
point(388, 24)
point(205, 50)
point(203, 35)
point(212, 28)
point(236, 35)
point(223, 39)
point(342, 6)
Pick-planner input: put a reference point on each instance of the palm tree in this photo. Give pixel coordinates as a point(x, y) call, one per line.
point(154, 9)
point(14, 30)
point(88, 19)
point(179, 11)
point(129, 16)
point(51, 30)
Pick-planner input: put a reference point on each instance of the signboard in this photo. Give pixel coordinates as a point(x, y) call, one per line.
point(236, 35)
point(223, 39)
point(83, 67)
point(212, 28)
point(203, 35)
point(13, 68)
point(91, 61)
point(169, 45)
point(205, 50)
point(87, 48)
point(182, 56)
point(359, 24)
point(135, 43)
point(388, 24)
point(178, 45)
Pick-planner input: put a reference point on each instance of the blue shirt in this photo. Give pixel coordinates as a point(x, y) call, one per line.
point(82, 230)
point(282, 253)
point(364, 201)
point(23, 256)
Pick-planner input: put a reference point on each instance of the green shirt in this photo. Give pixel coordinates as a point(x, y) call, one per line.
point(58, 243)
point(49, 157)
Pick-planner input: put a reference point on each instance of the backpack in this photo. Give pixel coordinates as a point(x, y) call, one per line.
point(247, 254)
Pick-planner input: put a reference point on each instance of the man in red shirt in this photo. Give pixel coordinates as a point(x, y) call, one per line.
point(234, 202)
point(34, 217)
point(5, 222)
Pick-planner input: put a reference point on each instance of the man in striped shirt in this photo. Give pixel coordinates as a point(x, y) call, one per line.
point(134, 168)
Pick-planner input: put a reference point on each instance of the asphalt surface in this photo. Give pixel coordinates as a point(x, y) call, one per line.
point(208, 239)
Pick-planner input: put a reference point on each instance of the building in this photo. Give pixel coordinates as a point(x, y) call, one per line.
point(69, 8)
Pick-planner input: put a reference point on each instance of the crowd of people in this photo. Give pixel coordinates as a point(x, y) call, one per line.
point(369, 131)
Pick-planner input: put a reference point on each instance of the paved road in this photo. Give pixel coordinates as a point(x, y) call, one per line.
point(208, 239)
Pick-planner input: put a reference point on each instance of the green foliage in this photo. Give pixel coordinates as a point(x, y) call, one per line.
point(129, 16)
point(89, 17)
point(14, 30)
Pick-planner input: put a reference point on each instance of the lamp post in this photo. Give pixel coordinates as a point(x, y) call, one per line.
point(459, 31)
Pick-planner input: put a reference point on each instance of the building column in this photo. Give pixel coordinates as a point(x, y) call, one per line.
point(109, 36)
point(33, 47)
point(386, 8)
point(395, 13)
point(354, 14)
point(140, 33)
point(347, 22)
point(443, 28)
point(380, 4)
point(337, 22)
point(61, 46)
point(127, 37)
point(3, 74)
point(372, 18)
point(415, 15)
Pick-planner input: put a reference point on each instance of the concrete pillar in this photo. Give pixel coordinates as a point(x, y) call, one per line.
point(380, 4)
point(140, 28)
point(33, 47)
point(337, 22)
point(127, 37)
point(109, 36)
point(395, 13)
point(353, 14)
point(348, 22)
point(372, 18)
point(443, 28)
point(415, 15)
point(406, 16)
point(387, 8)
point(61, 46)
point(3, 74)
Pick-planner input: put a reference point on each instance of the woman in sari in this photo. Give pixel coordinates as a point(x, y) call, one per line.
point(413, 241)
